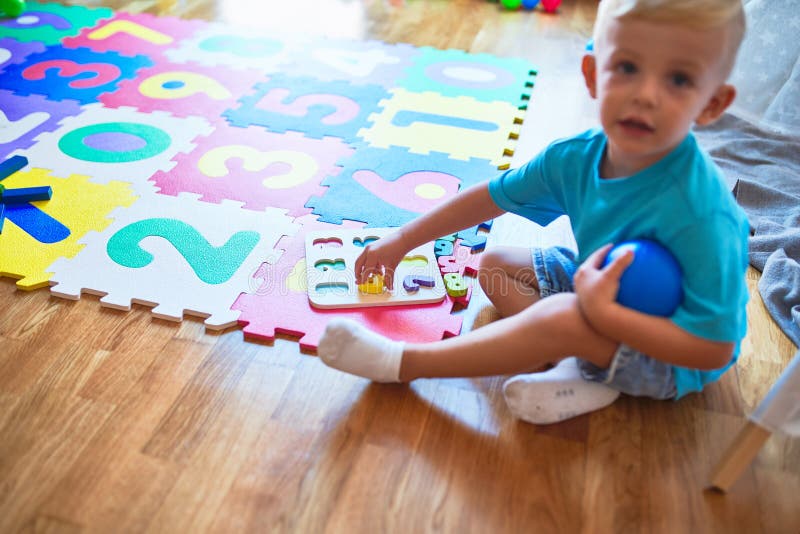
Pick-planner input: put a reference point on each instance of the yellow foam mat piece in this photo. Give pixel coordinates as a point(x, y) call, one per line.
point(461, 127)
point(77, 203)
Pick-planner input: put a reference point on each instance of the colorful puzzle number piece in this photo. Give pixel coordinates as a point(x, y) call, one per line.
point(46, 231)
point(316, 108)
point(389, 187)
point(455, 284)
point(64, 74)
point(182, 89)
point(393, 184)
point(172, 253)
point(461, 127)
point(354, 61)
point(412, 282)
point(374, 285)
point(237, 48)
point(127, 32)
point(256, 167)
point(120, 144)
point(483, 77)
point(336, 288)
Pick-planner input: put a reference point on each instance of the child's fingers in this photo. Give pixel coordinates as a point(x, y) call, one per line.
point(597, 257)
point(388, 279)
point(369, 271)
point(366, 266)
point(360, 267)
point(619, 264)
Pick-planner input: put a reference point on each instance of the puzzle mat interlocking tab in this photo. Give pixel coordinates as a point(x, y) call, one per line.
point(171, 144)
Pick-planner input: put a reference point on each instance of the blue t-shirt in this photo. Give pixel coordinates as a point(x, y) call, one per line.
point(680, 201)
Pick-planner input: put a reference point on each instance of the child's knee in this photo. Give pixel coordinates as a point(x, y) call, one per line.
point(491, 260)
point(490, 271)
point(503, 265)
point(562, 315)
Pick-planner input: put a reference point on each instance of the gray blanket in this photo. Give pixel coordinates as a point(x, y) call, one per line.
point(763, 169)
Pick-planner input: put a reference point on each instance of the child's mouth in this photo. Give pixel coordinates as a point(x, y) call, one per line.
point(636, 127)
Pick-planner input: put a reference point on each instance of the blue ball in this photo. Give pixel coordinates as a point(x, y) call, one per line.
point(653, 283)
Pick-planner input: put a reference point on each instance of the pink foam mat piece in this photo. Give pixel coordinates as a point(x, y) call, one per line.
point(132, 34)
point(279, 307)
point(183, 88)
point(256, 167)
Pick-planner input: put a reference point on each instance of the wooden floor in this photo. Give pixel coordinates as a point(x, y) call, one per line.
point(115, 422)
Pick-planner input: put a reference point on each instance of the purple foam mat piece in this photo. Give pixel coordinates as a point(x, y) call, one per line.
point(13, 52)
point(28, 117)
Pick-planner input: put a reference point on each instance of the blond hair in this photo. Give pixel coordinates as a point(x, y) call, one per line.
point(695, 14)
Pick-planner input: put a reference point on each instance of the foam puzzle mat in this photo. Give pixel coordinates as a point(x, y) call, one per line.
point(187, 161)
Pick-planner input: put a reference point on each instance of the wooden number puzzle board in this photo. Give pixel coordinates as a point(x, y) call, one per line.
point(330, 257)
point(188, 160)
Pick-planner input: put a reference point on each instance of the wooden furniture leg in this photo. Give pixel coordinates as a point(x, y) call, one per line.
point(739, 455)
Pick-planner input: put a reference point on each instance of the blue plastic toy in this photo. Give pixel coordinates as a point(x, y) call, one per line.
point(12, 8)
point(653, 283)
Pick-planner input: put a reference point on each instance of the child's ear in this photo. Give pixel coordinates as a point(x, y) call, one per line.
point(589, 70)
point(717, 104)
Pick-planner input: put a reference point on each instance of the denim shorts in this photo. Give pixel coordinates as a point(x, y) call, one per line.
point(631, 372)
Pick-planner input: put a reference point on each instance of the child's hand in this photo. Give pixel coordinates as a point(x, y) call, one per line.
point(381, 257)
point(597, 287)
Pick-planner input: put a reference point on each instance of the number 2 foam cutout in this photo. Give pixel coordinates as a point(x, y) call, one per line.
point(173, 253)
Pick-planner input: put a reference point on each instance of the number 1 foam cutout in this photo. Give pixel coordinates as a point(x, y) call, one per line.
point(331, 256)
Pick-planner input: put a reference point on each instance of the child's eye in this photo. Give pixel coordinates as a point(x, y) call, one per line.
point(626, 67)
point(680, 79)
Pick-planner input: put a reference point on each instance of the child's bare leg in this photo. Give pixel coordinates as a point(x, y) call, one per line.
point(507, 278)
point(548, 331)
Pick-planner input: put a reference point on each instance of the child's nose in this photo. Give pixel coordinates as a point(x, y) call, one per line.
point(647, 91)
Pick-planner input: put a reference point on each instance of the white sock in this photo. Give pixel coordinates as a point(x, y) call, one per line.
point(555, 395)
point(350, 347)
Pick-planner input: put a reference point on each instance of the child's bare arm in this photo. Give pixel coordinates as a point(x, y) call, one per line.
point(468, 208)
point(655, 336)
